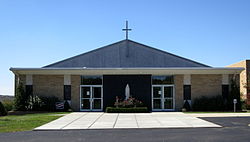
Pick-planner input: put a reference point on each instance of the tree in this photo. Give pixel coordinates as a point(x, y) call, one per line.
point(234, 94)
point(21, 99)
point(246, 85)
point(3, 111)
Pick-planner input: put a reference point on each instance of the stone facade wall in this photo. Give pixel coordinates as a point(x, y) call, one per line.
point(205, 85)
point(178, 82)
point(75, 92)
point(48, 85)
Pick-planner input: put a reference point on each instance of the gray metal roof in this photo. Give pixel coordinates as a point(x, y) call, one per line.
point(126, 54)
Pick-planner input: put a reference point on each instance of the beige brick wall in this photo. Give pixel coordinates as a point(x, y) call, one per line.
point(178, 82)
point(75, 92)
point(201, 85)
point(52, 85)
point(48, 85)
point(205, 85)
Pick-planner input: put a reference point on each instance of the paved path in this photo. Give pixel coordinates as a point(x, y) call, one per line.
point(100, 120)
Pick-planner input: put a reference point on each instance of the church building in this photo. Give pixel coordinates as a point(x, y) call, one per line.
point(161, 80)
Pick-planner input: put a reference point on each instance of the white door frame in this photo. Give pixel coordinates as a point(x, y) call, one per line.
point(162, 97)
point(91, 98)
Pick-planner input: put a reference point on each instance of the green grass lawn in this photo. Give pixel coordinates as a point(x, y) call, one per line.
point(14, 123)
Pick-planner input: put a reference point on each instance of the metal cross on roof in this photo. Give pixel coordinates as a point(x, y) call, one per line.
point(127, 29)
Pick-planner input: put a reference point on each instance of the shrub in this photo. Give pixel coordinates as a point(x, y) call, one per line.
point(3, 111)
point(127, 110)
point(244, 105)
point(49, 103)
point(35, 103)
point(130, 102)
point(234, 94)
point(21, 99)
point(8, 104)
point(248, 107)
point(42, 103)
point(214, 103)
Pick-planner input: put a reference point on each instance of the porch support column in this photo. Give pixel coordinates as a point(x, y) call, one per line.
point(67, 88)
point(225, 86)
point(29, 85)
point(187, 89)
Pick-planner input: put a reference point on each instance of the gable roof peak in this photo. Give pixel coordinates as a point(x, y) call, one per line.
point(126, 54)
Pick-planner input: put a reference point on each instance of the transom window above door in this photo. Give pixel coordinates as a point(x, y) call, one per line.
point(168, 79)
point(91, 80)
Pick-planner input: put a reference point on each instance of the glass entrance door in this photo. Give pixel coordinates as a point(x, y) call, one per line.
point(85, 97)
point(162, 97)
point(91, 98)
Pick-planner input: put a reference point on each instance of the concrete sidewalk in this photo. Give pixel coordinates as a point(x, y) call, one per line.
point(100, 120)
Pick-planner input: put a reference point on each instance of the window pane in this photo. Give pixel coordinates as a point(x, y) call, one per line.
point(97, 92)
point(96, 104)
point(85, 104)
point(157, 92)
point(156, 103)
point(85, 92)
point(162, 80)
point(91, 80)
point(168, 104)
point(168, 92)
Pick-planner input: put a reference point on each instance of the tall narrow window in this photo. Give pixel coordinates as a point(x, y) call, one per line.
point(67, 92)
point(187, 92)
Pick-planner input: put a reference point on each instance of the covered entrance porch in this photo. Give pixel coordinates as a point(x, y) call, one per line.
point(99, 92)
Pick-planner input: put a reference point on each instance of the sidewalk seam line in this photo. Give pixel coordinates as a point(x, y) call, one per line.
point(116, 120)
point(95, 120)
point(74, 120)
point(136, 121)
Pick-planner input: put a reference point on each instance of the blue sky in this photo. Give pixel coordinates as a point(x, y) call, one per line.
point(34, 33)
